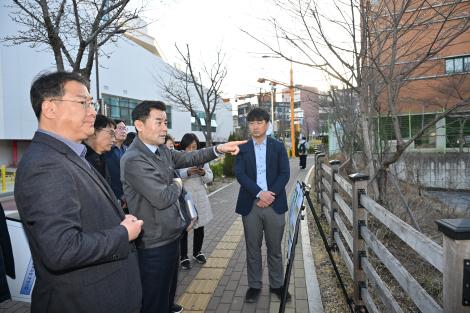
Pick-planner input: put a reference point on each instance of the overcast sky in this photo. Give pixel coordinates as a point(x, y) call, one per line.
point(207, 25)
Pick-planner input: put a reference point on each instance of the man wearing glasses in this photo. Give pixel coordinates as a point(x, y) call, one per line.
point(100, 142)
point(113, 159)
point(81, 241)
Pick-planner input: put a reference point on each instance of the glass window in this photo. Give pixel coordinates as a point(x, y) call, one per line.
point(115, 112)
point(449, 66)
point(466, 64)
point(458, 65)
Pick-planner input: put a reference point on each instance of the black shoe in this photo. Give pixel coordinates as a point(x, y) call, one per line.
point(278, 293)
point(176, 308)
point(200, 258)
point(252, 295)
point(185, 264)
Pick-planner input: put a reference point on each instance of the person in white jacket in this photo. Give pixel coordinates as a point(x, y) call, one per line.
point(194, 180)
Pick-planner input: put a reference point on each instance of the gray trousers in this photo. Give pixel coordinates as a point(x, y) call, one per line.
point(265, 220)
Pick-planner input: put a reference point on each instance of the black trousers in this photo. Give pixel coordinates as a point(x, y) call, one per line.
point(159, 276)
point(303, 161)
point(197, 242)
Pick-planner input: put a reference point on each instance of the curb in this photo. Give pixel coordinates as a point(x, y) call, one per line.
point(313, 289)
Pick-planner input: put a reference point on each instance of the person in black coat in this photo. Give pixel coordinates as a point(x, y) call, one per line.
point(7, 264)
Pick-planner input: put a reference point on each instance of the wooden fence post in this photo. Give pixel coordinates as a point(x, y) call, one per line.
point(333, 206)
point(359, 187)
point(456, 269)
point(318, 188)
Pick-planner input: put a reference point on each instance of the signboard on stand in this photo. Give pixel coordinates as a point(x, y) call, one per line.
point(293, 214)
point(21, 287)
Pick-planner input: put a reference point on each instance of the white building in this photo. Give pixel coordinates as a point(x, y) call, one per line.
point(128, 74)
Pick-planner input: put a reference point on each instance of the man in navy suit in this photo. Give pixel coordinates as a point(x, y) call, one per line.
point(262, 169)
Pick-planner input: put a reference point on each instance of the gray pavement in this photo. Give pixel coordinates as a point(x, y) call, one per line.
point(220, 284)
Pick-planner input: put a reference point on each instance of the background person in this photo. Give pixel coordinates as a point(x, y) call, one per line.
point(100, 142)
point(113, 161)
point(302, 150)
point(80, 240)
point(194, 180)
point(262, 169)
point(170, 142)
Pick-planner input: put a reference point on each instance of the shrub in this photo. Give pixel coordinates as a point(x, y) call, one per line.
point(217, 169)
point(229, 160)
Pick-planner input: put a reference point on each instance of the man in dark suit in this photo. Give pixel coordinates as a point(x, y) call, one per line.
point(80, 239)
point(262, 169)
point(113, 161)
point(152, 193)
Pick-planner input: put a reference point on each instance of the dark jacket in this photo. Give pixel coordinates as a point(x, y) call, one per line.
point(113, 164)
point(82, 258)
point(277, 175)
point(99, 163)
point(150, 192)
point(7, 264)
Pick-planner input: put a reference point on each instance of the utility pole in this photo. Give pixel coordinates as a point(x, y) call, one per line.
point(292, 129)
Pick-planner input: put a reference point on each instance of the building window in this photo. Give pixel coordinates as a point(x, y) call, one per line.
point(120, 108)
point(201, 116)
point(458, 65)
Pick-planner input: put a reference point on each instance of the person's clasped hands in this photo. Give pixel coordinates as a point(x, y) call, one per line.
point(266, 198)
point(133, 226)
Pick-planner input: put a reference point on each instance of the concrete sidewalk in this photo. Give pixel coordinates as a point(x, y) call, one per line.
point(220, 284)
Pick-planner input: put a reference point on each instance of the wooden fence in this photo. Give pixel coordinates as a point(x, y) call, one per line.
point(345, 201)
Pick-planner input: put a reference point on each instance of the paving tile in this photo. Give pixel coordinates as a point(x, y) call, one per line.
point(210, 273)
point(218, 253)
point(217, 262)
point(194, 302)
point(227, 296)
point(202, 286)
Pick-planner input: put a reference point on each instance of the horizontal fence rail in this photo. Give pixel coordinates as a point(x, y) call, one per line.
point(348, 196)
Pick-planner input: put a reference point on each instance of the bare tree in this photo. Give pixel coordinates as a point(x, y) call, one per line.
point(72, 29)
point(193, 90)
point(375, 49)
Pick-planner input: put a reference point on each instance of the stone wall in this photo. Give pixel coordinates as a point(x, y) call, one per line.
point(435, 170)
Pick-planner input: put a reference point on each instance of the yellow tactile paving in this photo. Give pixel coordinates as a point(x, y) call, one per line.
point(210, 273)
point(218, 253)
point(198, 294)
point(227, 245)
point(202, 286)
point(217, 262)
point(194, 302)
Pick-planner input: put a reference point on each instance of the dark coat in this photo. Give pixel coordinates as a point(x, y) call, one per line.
point(82, 258)
point(113, 164)
point(151, 193)
point(7, 264)
point(277, 175)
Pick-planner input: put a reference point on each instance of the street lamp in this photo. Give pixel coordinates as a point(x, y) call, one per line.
point(291, 89)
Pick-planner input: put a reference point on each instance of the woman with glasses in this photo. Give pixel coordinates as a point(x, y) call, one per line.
point(99, 143)
point(194, 180)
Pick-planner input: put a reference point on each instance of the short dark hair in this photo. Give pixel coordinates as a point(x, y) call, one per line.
point(129, 139)
point(142, 111)
point(257, 114)
point(117, 121)
point(188, 139)
point(51, 85)
point(168, 137)
point(102, 121)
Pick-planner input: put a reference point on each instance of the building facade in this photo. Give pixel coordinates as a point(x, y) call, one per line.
point(129, 72)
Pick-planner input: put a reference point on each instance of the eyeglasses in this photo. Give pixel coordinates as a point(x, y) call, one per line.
point(110, 132)
point(86, 104)
point(123, 128)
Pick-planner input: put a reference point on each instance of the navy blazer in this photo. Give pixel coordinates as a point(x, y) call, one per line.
point(277, 175)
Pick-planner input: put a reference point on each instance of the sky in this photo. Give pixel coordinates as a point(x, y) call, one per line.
point(209, 25)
